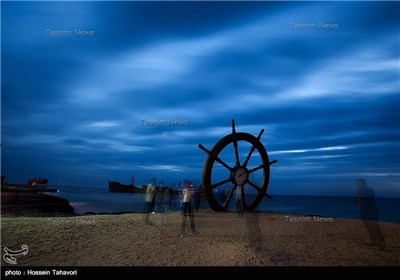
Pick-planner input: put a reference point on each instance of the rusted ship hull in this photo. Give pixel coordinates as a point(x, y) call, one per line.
point(114, 186)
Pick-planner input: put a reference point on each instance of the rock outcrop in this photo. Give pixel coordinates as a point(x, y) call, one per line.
point(33, 203)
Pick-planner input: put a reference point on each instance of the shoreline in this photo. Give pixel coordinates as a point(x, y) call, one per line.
point(221, 239)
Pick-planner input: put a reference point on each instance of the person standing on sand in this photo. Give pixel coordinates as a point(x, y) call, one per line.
point(168, 197)
point(187, 209)
point(238, 200)
point(150, 200)
point(163, 194)
point(369, 213)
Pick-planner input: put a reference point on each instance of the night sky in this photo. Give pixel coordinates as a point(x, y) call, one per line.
point(89, 90)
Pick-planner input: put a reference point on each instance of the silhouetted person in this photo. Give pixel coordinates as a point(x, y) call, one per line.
point(164, 205)
point(150, 200)
point(369, 213)
point(3, 182)
point(255, 238)
point(238, 200)
point(169, 197)
point(187, 209)
point(159, 201)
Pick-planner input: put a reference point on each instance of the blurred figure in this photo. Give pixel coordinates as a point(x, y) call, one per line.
point(150, 200)
point(226, 192)
point(187, 209)
point(197, 198)
point(255, 237)
point(369, 213)
point(168, 199)
point(161, 206)
point(3, 182)
point(159, 201)
point(238, 200)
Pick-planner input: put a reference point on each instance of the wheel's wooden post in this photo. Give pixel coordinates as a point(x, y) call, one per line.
point(204, 149)
point(228, 199)
point(233, 126)
point(217, 159)
point(259, 134)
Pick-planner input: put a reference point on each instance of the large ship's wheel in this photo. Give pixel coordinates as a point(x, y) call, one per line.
point(239, 175)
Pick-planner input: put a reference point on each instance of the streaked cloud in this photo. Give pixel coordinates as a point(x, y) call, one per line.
point(327, 99)
point(309, 150)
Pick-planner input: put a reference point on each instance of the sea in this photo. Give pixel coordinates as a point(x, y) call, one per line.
point(100, 200)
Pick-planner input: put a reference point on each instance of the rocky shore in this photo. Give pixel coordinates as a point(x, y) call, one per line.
point(23, 201)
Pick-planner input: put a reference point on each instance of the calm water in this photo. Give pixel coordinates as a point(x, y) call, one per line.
point(101, 200)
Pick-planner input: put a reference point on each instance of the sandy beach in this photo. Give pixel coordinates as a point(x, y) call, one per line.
point(221, 239)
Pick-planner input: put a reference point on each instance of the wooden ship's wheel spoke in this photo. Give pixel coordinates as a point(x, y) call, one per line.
point(228, 199)
point(216, 158)
point(252, 149)
point(239, 174)
point(220, 183)
point(254, 185)
point(235, 145)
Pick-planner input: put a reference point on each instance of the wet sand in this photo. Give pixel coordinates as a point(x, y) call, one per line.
point(221, 239)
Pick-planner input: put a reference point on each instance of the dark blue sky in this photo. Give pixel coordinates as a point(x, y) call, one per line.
point(328, 96)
